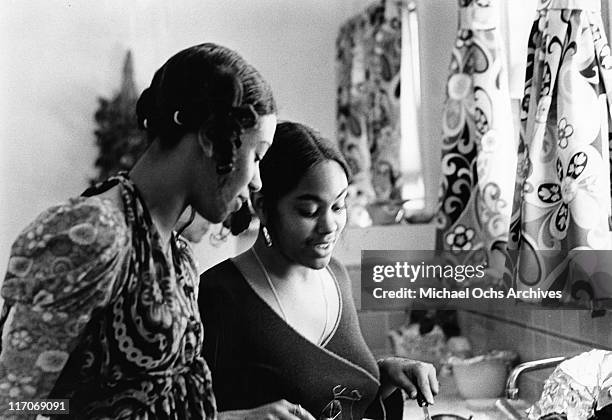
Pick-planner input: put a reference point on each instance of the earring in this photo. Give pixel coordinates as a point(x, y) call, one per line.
point(175, 117)
point(267, 238)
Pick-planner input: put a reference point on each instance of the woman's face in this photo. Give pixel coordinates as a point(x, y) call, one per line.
point(227, 196)
point(310, 219)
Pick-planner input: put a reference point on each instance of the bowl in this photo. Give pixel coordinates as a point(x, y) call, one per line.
point(481, 379)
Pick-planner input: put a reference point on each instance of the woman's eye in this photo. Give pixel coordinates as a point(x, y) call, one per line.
point(339, 206)
point(307, 212)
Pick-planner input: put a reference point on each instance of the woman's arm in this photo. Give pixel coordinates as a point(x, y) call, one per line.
point(61, 268)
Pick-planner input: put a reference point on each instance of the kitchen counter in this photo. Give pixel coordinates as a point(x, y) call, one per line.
point(450, 402)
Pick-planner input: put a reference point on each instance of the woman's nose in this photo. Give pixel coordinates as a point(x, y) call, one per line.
point(255, 184)
point(327, 223)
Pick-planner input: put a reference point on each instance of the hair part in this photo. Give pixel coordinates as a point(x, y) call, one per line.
point(296, 148)
point(207, 87)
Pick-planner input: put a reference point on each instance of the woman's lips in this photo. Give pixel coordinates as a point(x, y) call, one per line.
point(323, 247)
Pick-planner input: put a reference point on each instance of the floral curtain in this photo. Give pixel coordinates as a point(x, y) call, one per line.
point(478, 144)
point(369, 57)
point(562, 200)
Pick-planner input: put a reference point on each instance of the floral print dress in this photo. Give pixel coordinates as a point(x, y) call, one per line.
point(95, 312)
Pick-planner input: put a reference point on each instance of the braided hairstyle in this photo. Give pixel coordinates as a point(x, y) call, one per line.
point(207, 87)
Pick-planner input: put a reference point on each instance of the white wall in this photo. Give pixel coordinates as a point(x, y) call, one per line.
point(58, 56)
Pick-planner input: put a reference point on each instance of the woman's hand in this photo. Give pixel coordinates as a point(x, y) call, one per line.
point(412, 376)
point(281, 410)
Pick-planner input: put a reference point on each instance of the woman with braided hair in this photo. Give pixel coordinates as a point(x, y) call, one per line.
point(100, 297)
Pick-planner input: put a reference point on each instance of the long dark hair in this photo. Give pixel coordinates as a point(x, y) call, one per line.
point(205, 86)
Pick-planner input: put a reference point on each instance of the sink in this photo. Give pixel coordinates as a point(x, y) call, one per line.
point(450, 402)
point(479, 409)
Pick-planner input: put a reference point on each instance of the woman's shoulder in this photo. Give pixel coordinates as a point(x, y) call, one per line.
point(343, 279)
point(65, 241)
point(223, 275)
point(212, 274)
point(339, 271)
point(85, 221)
point(221, 291)
point(82, 219)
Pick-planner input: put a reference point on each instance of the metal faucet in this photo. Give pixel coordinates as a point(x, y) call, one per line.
point(511, 384)
point(503, 404)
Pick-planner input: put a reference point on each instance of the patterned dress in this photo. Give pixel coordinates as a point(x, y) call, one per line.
point(96, 312)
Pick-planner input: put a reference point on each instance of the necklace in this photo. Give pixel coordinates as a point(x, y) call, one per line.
point(278, 301)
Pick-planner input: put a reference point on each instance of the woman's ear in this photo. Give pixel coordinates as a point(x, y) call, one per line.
point(257, 201)
point(205, 144)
